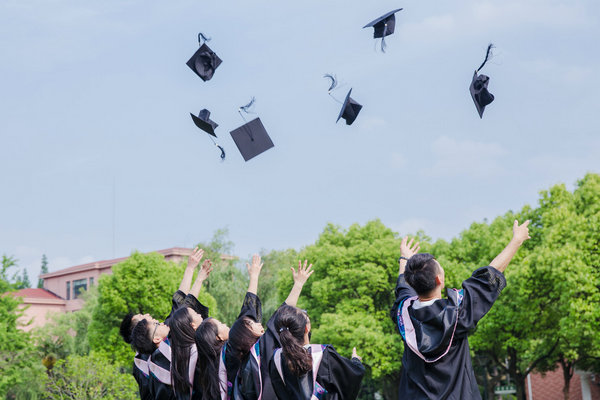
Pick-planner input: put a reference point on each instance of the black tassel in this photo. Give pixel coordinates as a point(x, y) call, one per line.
point(333, 84)
point(247, 106)
point(222, 152)
point(383, 45)
point(201, 38)
point(487, 56)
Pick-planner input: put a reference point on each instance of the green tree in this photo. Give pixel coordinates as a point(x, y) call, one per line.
point(44, 270)
point(142, 283)
point(23, 281)
point(90, 377)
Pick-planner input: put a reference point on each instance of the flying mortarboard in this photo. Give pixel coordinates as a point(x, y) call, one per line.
point(204, 62)
point(204, 122)
point(350, 108)
point(383, 26)
point(479, 91)
point(251, 138)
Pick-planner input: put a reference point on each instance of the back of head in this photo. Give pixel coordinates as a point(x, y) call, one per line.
point(126, 327)
point(421, 270)
point(209, 350)
point(140, 338)
point(291, 323)
point(241, 337)
point(182, 339)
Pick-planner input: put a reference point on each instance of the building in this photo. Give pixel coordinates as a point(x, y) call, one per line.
point(62, 289)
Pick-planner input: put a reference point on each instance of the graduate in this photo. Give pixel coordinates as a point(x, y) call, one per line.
point(302, 371)
point(152, 337)
point(436, 363)
point(253, 380)
point(181, 297)
point(217, 363)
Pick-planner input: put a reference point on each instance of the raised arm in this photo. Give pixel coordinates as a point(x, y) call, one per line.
point(193, 261)
point(254, 272)
point(202, 276)
point(407, 250)
point(300, 279)
point(520, 234)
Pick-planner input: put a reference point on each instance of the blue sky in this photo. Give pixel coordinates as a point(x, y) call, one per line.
point(97, 95)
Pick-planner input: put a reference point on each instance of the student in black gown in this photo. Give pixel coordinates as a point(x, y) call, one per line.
point(152, 337)
point(301, 371)
point(217, 363)
point(436, 363)
point(253, 380)
point(180, 297)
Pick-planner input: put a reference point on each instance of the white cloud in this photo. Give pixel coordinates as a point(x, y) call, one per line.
point(476, 159)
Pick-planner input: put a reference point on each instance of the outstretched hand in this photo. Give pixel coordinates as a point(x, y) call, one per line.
point(195, 257)
point(521, 232)
point(303, 273)
point(355, 354)
point(205, 270)
point(254, 269)
point(409, 249)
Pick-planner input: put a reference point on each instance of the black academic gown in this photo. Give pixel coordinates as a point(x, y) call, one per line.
point(442, 327)
point(246, 386)
point(339, 376)
point(142, 375)
point(159, 388)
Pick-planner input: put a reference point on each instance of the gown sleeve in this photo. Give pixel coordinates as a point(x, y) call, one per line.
point(177, 301)
point(251, 307)
point(340, 376)
point(480, 292)
point(192, 302)
point(402, 291)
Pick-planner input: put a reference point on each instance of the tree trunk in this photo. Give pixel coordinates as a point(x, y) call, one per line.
point(515, 374)
point(567, 369)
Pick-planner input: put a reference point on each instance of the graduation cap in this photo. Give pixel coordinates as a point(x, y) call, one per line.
point(383, 26)
point(204, 122)
point(251, 138)
point(350, 109)
point(204, 62)
point(479, 91)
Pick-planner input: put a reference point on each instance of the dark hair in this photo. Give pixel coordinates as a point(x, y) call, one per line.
point(126, 327)
point(140, 338)
point(420, 273)
point(182, 339)
point(241, 337)
point(291, 323)
point(209, 350)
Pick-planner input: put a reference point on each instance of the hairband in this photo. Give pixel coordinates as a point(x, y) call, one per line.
point(283, 328)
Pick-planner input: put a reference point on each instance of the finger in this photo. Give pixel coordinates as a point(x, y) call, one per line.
point(293, 271)
point(404, 240)
point(417, 249)
point(526, 223)
point(310, 273)
point(247, 265)
point(261, 264)
point(515, 224)
point(305, 262)
point(309, 267)
point(411, 242)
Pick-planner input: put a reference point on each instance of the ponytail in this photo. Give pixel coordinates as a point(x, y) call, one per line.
point(291, 323)
point(209, 350)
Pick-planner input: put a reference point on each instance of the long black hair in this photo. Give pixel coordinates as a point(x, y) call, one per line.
point(209, 350)
point(291, 323)
point(182, 339)
point(241, 338)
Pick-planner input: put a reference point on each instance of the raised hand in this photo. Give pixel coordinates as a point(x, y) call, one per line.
point(409, 249)
point(205, 270)
point(255, 267)
point(303, 273)
point(355, 354)
point(195, 257)
point(521, 232)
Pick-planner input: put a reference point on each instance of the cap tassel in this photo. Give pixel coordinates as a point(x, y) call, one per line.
point(222, 152)
point(383, 45)
point(246, 109)
point(487, 56)
point(202, 38)
point(332, 86)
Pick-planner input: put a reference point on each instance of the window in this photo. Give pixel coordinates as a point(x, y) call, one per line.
point(91, 281)
point(79, 286)
point(68, 290)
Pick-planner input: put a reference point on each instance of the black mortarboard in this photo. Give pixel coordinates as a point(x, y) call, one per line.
point(350, 109)
point(204, 122)
point(252, 139)
point(204, 62)
point(383, 25)
point(479, 91)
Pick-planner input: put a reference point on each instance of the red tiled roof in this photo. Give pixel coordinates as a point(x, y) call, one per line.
point(35, 293)
point(173, 251)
